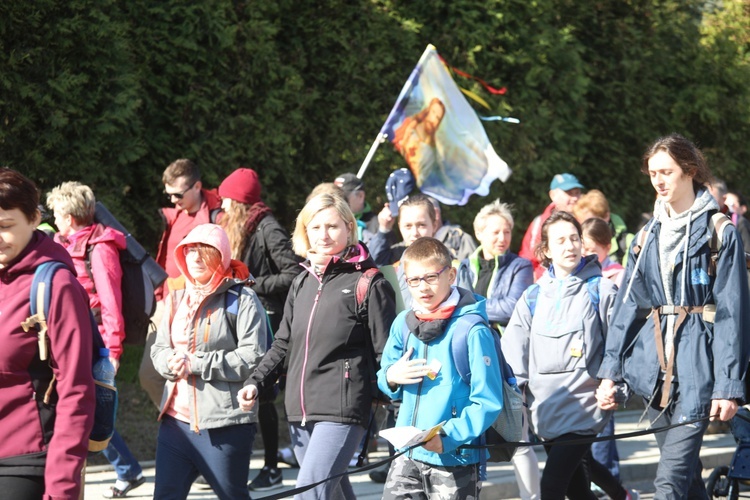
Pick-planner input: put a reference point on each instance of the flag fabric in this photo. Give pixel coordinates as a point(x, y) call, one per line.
point(441, 137)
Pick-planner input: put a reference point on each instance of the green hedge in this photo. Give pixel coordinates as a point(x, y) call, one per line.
point(110, 93)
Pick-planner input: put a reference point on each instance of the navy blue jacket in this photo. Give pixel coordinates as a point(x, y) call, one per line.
point(512, 276)
point(711, 358)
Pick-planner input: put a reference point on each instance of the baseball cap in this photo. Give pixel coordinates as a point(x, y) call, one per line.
point(565, 182)
point(398, 187)
point(349, 183)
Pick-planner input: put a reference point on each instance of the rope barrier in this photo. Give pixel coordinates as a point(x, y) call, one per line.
point(595, 439)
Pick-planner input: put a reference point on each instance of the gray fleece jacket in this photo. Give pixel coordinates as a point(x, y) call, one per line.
point(556, 353)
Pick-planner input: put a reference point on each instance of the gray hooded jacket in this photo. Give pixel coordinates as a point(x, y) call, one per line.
point(555, 354)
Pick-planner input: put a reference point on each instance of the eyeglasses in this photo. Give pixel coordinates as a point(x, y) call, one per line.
point(187, 250)
point(179, 196)
point(430, 279)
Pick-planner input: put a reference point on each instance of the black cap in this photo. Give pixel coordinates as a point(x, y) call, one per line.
point(349, 183)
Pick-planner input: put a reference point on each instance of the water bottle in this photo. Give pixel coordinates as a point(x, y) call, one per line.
point(514, 384)
point(104, 371)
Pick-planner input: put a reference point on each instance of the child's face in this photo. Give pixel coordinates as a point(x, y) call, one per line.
point(429, 283)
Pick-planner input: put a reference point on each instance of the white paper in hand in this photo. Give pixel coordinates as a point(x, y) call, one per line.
point(404, 437)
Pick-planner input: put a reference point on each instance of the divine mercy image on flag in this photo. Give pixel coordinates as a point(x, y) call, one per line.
point(440, 136)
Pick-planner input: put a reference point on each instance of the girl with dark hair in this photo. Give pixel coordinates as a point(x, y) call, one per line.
point(554, 344)
point(597, 240)
point(678, 335)
point(45, 441)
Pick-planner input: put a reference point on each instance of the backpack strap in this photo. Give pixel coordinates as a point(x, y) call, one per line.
point(532, 293)
point(39, 300)
point(640, 240)
point(593, 286)
point(716, 227)
point(363, 284)
point(232, 309)
point(460, 343)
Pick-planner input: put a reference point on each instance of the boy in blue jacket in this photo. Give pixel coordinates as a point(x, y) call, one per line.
point(423, 375)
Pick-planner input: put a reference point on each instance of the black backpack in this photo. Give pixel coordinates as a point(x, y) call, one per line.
point(141, 276)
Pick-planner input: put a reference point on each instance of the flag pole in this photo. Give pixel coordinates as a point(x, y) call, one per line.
point(375, 145)
point(405, 91)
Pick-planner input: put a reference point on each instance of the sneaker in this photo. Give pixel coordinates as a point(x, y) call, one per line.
point(632, 495)
point(596, 490)
point(379, 475)
point(115, 492)
point(267, 479)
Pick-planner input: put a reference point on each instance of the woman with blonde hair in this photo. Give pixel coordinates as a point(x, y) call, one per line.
point(95, 250)
point(333, 341)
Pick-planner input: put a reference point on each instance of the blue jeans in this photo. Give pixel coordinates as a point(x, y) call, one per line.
point(679, 473)
point(324, 449)
point(118, 454)
point(221, 455)
point(605, 452)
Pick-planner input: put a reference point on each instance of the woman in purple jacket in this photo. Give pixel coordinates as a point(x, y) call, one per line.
point(46, 432)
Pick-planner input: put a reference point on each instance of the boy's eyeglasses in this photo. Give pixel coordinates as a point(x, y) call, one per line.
point(179, 195)
point(430, 279)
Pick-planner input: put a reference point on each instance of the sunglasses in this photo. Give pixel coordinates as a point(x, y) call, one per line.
point(430, 279)
point(179, 196)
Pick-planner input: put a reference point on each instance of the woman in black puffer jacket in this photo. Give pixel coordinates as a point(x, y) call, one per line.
point(333, 341)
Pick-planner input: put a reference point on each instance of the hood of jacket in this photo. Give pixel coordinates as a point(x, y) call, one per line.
point(356, 257)
point(77, 242)
point(41, 248)
point(205, 234)
point(587, 268)
point(468, 303)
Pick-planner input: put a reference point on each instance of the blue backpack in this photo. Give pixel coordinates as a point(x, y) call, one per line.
point(232, 308)
point(508, 425)
point(106, 395)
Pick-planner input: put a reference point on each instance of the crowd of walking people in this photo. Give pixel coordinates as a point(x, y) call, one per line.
point(343, 316)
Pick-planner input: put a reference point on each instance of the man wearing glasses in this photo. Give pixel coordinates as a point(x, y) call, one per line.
point(193, 205)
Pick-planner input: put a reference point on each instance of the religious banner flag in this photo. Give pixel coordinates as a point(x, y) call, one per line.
point(440, 136)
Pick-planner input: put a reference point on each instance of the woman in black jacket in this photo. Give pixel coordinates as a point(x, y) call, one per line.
point(258, 240)
point(333, 339)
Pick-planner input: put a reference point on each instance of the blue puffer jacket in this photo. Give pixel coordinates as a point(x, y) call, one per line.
point(711, 358)
point(512, 275)
point(468, 411)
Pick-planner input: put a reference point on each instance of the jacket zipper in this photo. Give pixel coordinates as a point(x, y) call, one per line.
point(416, 404)
point(307, 351)
point(196, 429)
point(347, 378)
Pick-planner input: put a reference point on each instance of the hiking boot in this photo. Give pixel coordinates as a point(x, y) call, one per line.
point(267, 479)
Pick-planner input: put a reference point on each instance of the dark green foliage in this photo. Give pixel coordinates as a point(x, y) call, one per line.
point(109, 93)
